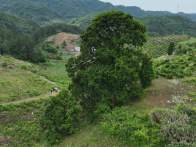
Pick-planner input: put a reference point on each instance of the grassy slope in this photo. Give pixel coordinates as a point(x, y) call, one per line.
point(21, 126)
point(55, 71)
point(21, 80)
point(19, 123)
point(155, 96)
point(18, 82)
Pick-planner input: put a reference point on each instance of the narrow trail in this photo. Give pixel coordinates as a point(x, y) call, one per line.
point(47, 80)
point(35, 98)
point(27, 100)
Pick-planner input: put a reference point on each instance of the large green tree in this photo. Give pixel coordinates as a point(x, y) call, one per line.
point(110, 69)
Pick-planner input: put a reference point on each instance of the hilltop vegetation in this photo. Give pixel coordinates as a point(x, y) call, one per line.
point(16, 24)
point(180, 64)
point(49, 11)
point(156, 25)
point(167, 25)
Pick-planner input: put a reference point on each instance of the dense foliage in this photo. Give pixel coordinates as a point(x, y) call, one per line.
point(181, 64)
point(17, 24)
point(48, 11)
point(164, 127)
point(20, 46)
point(131, 128)
point(171, 48)
point(60, 117)
point(175, 67)
point(110, 70)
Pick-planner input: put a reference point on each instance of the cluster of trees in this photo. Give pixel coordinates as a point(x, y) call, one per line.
point(110, 71)
point(23, 39)
point(19, 45)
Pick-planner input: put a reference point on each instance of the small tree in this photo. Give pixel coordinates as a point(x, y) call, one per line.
point(171, 48)
point(146, 73)
point(60, 117)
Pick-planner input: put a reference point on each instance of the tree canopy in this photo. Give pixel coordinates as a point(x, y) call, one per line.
point(109, 71)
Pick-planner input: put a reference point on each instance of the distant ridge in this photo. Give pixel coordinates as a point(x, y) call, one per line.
point(49, 11)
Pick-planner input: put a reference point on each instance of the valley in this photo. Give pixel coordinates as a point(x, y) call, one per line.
point(22, 109)
point(83, 73)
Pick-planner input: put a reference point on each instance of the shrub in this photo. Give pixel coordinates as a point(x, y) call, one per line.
point(60, 117)
point(175, 127)
point(4, 64)
point(131, 128)
point(49, 48)
point(174, 67)
point(171, 48)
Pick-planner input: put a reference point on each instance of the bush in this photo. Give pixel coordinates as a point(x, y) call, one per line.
point(38, 56)
point(171, 48)
point(60, 117)
point(175, 67)
point(4, 64)
point(49, 48)
point(175, 127)
point(131, 129)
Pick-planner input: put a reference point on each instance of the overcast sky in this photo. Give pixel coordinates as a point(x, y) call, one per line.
point(188, 6)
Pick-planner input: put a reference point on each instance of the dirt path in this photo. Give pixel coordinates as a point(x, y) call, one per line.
point(35, 98)
point(47, 80)
point(27, 100)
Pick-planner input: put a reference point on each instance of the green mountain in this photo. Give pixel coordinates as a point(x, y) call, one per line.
point(16, 24)
point(13, 29)
point(28, 9)
point(166, 25)
point(81, 12)
point(156, 25)
point(47, 11)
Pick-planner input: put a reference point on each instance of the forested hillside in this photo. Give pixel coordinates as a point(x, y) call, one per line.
point(81, 12)
point(166, 25)
point(48, 11)
point(22, 38)
point(156, 25)
point(13, 29)
point(16, 24)
point(73, 74)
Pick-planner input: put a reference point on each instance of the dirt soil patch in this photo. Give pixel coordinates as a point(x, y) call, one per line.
point(162, 90)
point(65, 40)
